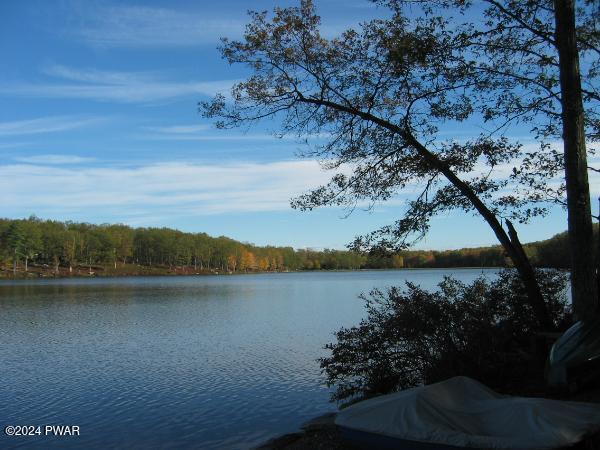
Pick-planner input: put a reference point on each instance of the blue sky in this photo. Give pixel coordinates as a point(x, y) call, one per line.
point(99, 123)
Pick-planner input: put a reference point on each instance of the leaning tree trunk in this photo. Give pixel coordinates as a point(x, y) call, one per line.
point(584, 288)
point(509, 242)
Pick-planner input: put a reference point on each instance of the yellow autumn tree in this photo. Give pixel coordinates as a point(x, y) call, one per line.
point(248, 261)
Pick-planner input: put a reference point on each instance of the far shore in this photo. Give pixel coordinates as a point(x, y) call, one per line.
point(134, 270)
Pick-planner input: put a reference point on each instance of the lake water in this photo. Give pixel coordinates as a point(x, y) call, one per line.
point(176, 362)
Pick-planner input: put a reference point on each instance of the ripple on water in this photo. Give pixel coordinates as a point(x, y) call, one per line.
point(210, 362)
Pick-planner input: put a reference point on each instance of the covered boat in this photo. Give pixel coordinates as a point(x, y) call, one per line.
point(574, 359)
point(463, 413)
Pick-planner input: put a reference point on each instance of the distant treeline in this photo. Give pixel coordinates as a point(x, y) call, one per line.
point(63, 246)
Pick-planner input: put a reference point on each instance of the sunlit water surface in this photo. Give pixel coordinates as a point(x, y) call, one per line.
point(176, 362)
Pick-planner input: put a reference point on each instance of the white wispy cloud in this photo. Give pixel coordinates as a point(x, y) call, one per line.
point(167, 189)
point(144, 26)
point(181, 129)
point(214, 137)
point(197, 132)
point(14, 144)
point(45, 125)
point(90, 75)
point(112, 86)
point(128, 26)
point(54, 159)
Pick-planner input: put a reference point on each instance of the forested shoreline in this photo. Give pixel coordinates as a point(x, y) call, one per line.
point(36, 247)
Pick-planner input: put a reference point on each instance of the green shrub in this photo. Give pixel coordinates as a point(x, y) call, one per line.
point(483, 330)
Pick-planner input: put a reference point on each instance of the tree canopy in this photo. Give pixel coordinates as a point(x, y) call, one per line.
point(384, 95)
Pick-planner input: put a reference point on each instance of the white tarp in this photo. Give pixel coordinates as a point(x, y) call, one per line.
point(464, 413)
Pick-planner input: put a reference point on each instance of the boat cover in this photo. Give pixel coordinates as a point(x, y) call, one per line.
point(462, 412)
